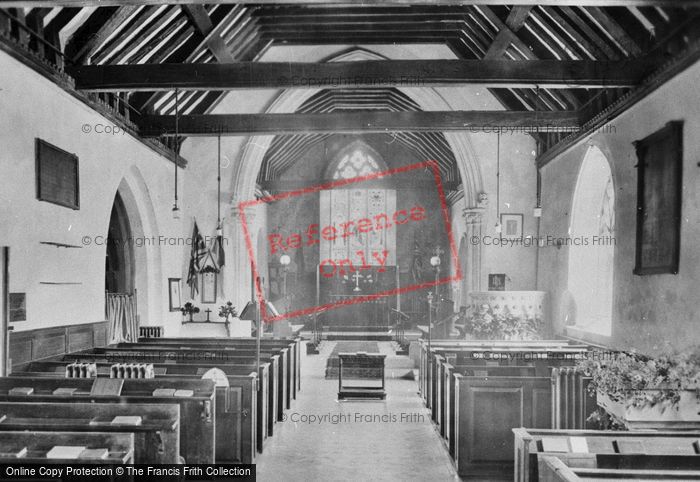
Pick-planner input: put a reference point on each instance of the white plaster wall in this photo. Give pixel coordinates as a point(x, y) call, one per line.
point(651, 313)
point(30, 107)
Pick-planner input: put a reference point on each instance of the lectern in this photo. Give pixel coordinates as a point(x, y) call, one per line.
point(364, 366)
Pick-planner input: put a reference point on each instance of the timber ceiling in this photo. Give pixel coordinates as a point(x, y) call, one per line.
point(226, 33)
point(285, 150)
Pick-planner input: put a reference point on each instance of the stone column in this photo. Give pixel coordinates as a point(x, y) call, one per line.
point(473, 218)
point(237, 277)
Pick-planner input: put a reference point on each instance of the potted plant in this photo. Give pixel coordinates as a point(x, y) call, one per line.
point(226, 311)
point(643, 392)
point(189, 309)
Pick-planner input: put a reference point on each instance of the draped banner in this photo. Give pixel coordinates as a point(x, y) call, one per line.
point(121, 317)
point(197, 253)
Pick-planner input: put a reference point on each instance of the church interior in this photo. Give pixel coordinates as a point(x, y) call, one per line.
point(336, 240)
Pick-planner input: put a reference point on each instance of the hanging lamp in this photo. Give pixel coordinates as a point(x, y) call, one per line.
point(176, 210)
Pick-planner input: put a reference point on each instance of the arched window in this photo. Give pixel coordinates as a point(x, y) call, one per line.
point(358, 162)
point(592, 251)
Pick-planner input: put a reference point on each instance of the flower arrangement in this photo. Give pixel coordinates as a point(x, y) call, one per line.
point(189, 309)
point(502, 323)
point(644, 381)
point(227, 310)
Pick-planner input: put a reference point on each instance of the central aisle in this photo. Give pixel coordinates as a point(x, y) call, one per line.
point(371, 440)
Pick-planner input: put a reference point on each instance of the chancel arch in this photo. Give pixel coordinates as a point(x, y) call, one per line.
point(592, 247)
point(251, 160)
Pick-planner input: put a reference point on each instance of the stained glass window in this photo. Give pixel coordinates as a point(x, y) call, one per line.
point(355, 164)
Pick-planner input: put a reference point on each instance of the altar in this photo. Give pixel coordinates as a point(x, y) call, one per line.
point(352, 311)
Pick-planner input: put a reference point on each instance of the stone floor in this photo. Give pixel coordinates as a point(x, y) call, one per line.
point(323, 439)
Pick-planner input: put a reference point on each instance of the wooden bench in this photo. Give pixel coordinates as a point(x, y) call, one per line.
point(196, 411)
point(120, 447)
point(475, 401)
point(253, 425)
point(156, 437)
point(199, 355)
point(486, 410)
point(496, 352)
point(272, 374)
point(553, 469)
point(289, 351)
point(293, 345)
point(578, 446)
point(445, 422)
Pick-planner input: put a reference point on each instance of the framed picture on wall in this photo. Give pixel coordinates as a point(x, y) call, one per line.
point(659, 186)
point(512, 226)
point(174, 291)
point(18, 307)
point(497, 282)
point(209, 276)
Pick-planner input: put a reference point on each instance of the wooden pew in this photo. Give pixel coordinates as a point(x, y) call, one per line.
point(542, 357)
point(272, 371)
point(446, 422)
point(486, 410)
point(553, 469)
point(536, 354)
point(253, 428)
point(38, 444)
point(475, 352)
point(294, 345)
point(196, 411)
point(154, 353)
point(530, 443)
point(289, 350)
point(156, 438)
point(518, 381)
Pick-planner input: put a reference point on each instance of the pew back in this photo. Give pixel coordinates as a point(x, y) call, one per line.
point(156, 437)
point(38, 447)
point(196, 410)
point(530, 442)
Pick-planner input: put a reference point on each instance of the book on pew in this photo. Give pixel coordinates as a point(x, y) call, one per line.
point(579, 444)
point(65, 452)
point(164, 392)
point(183, 393)
point(16, 454)
point(94, 454)
point(127, 420)
point(555, 444)
point(107, 387)
point(64, 391)
point(21, 391)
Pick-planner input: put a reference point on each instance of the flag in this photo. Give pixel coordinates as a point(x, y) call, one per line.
point(217, 251)
point(217, 254)
point(198, 251)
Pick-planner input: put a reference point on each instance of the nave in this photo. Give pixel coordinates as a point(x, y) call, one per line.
point(221, 218)
point(370, 441)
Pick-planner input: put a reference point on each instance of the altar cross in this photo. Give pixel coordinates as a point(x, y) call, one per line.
point(357, 277)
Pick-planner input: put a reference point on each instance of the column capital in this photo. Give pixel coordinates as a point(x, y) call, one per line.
point(236, 213)
point(473, 215)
